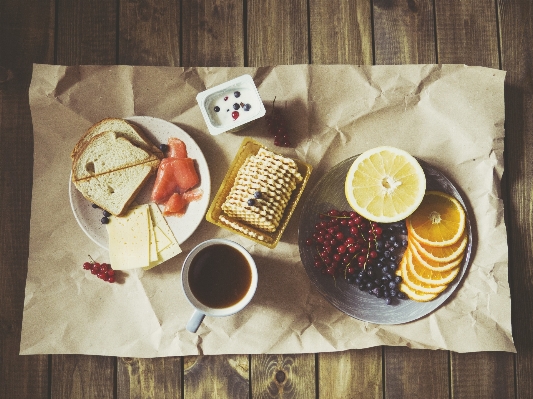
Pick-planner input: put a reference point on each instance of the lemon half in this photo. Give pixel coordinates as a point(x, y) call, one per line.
point(385, 184)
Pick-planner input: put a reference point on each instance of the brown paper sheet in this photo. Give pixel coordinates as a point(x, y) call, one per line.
point(451, 116)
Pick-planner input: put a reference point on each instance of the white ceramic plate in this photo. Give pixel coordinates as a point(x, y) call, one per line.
point(158, 131)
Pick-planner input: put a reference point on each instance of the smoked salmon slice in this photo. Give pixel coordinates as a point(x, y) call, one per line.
point(177, 148)
point(177, 203)
point(176, 174)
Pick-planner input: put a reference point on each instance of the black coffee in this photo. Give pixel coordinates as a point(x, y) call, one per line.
point(219, 276)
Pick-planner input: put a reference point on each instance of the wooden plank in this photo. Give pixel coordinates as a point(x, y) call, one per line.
point(26, 36)
point(340, 37)
point(149, 378)
point(283, 376)
point(75, 376)
point(488, 375)
point(404, 32)
point(149, 33)
point(343, 36)
point(516, 25)
point(212, 33)
point(411, 373)
point(222, 376)
point(467, 32)
point(277, 32)
point(86, 32)
point(350, 374)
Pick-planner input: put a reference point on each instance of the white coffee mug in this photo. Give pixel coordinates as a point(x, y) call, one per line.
point(202, 290)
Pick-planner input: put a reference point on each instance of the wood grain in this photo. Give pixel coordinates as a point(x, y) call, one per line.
point(277, 32)
point(26, 36)
point(482, 375)
point(149, 32)
point(351, 374)
point(213, 33)
point(158, 378)
point(516, 24)
point(404, 32)
point(343, 36)
point(411, 373)
point(221, 376)
point(467, 32)
point(75, 376)
point(86, 32)
point(283, 376)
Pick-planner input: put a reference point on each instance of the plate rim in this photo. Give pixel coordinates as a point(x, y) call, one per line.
point(205, 179)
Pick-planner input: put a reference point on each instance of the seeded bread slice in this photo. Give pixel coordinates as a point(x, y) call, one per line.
point(114, 191)
point(122, 128)
point(107, 152)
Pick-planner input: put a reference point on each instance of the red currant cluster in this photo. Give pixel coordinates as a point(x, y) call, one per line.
point(103, 271)
point(276, 127)
point(344, 241)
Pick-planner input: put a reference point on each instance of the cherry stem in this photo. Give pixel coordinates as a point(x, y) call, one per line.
point(273, 106)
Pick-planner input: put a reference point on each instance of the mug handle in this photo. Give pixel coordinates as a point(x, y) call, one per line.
point(194, 322)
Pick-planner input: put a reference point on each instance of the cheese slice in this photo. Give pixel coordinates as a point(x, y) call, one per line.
point(129, 239)
point(163, 235)
point(153, 241)
point(162, 241)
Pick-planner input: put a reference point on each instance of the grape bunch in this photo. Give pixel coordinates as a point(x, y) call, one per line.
point(362, 252)
point(103, 271)
point(277, 127)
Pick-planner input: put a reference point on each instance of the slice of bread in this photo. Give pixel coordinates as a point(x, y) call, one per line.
point(107, 152)
point(114, 191)
point(122, 128)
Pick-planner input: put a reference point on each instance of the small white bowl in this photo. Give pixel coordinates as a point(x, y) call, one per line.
point(231, 106)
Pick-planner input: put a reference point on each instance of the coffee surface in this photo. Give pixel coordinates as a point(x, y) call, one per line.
point(219, 276)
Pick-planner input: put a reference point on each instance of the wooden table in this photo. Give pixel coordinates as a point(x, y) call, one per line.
point(496, 34)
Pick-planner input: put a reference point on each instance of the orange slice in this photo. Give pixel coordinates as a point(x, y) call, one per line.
point(431, 264)
point(414, 293)
point(429, 276)
point(439, 220)
point(419, 286)
point(385, 184)
point(441, 254)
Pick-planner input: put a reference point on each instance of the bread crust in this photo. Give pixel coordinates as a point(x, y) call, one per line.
point(103, 205)
point(99, 127)
point(75, 164)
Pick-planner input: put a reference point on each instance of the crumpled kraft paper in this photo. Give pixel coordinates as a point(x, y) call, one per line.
point(451, 116)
